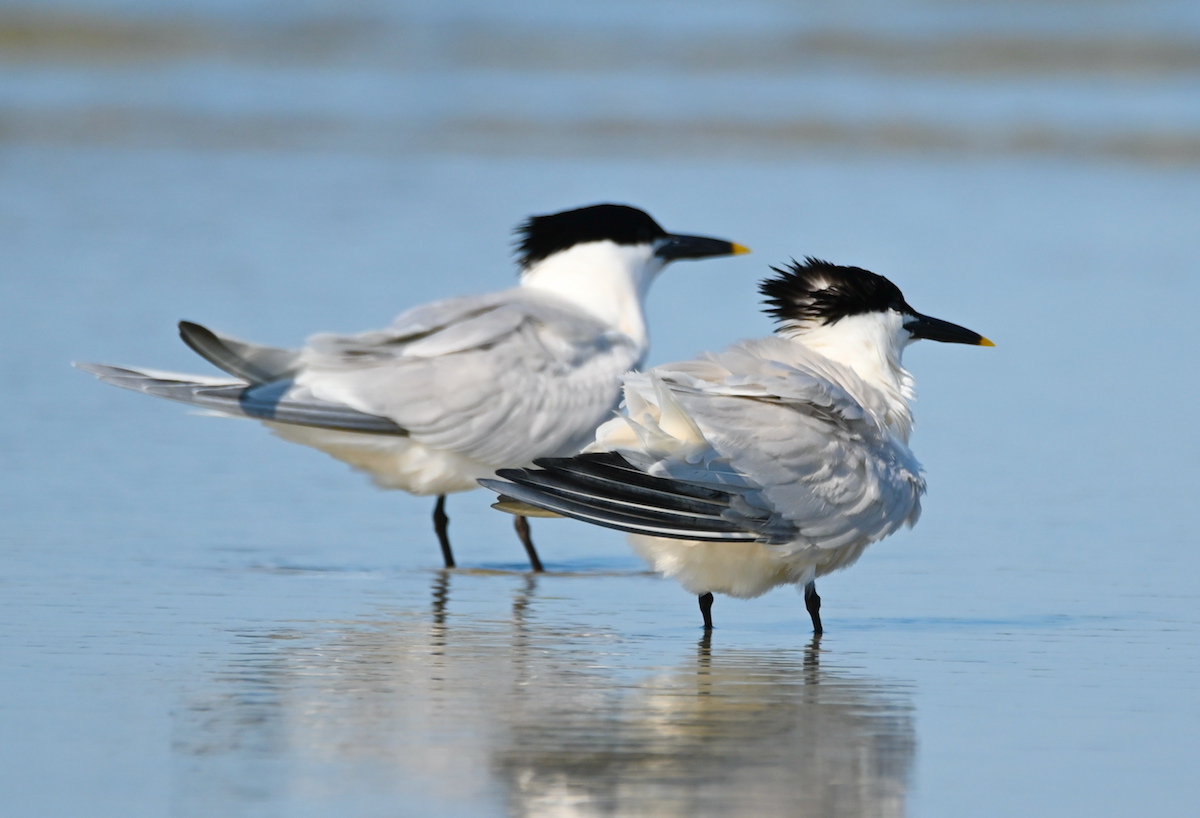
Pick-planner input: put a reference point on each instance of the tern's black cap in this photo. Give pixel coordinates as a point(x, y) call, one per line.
point(817, 292)
point(542, 236)
point(820, 292)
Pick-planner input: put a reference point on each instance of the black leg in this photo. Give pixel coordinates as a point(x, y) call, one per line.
point(706, 610)
point(522, 526)
point(813, 603)
point(440, 524)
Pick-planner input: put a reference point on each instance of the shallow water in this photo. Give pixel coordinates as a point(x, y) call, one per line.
point(199, 619)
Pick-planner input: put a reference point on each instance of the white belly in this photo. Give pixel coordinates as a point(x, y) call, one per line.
point(742, 570)
point(393, 462)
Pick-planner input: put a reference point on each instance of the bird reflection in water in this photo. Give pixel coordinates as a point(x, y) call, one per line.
point(737, 733)
point(441, 598)
point(441, 595)
point(450, 708)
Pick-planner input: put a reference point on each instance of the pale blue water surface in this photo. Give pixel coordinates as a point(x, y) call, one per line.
point(197, 619)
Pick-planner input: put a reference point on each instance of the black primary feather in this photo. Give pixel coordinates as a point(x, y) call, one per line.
point(606, 489)
point(819, 292)
point(542, 236)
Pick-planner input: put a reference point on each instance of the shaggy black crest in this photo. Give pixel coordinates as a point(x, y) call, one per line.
point(543, 236)
point(818, 291)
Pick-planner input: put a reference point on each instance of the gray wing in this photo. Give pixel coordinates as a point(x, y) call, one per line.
point(502, 378)
point(836, 480)
point(279, 401)
point(787, 452)
point(253, 363)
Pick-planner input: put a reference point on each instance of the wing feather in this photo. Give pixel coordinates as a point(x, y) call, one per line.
point(254, 363)
point(273, 402)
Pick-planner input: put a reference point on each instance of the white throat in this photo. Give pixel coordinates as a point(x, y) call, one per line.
point(872, 345)
point(606, 279)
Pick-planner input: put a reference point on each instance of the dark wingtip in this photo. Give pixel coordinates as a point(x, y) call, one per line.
point(198, 338)
point(190, 329)
point(513, 475)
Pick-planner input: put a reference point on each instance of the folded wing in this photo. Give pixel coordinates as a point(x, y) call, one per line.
point(765, 441)
point(501, 379)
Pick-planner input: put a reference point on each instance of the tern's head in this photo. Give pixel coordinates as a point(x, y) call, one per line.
point(819, 300)
point(860, 320)
point(605, 255)
point(623, 227)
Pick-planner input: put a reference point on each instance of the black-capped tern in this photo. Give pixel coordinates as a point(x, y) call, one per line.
point(456, 389)
point(773, 462)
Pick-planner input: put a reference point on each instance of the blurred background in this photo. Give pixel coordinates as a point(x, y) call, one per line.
point(199, 619)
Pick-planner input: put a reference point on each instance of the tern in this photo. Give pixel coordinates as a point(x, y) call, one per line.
point(773, 462)
point(456, 389)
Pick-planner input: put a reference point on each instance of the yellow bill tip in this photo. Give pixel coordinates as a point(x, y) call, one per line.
point(984, 342)
point(740, 249)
